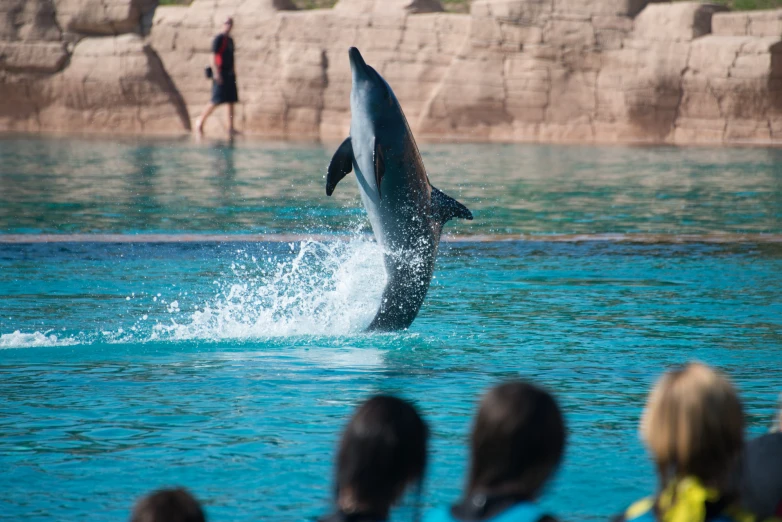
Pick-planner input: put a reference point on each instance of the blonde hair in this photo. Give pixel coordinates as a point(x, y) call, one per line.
point(693, 424)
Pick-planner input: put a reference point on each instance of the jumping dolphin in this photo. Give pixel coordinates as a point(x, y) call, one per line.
point(406, 212)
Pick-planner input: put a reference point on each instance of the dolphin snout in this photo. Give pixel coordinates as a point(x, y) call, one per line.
point(355, 57)
point(357, 64)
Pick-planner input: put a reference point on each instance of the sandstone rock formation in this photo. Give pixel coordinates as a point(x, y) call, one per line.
point(103, 17)
point(389, 6)
point(115, 83)
point(511, 70)
point(750, 23)
point(83, 65)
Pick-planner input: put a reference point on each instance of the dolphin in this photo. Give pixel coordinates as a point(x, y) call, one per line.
point(406, 212)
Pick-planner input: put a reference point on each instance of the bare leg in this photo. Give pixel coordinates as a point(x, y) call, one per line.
point(202, 119)
point(231, 129)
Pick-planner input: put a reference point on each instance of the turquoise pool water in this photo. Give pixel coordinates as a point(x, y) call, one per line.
point(166, 355)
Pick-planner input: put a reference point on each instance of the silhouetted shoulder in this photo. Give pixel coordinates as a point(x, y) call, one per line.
point(339, 516)
point(761, 482)
point(522, 512)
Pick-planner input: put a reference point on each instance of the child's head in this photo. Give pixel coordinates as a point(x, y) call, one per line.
point(383, 450)
point(517, 441)
point(168, 505)
point(693, 424)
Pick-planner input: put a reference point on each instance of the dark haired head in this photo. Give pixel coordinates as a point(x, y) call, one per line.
point(383, 449)
point(517, 441)
point(168, 505)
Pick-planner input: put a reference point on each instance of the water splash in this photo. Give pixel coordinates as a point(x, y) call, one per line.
point(19, 339)
point(323, 289)
point(314, 288)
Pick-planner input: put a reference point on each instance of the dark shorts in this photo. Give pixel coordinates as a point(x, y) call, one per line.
point(225, 92)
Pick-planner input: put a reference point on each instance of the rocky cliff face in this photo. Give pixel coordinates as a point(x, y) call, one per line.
point(511, 70)
point(84, 66)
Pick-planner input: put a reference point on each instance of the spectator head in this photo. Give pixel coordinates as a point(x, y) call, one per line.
point(168, 505)
point(228, 25)
point(517, 441)
point(693, 424)
point(382, 451)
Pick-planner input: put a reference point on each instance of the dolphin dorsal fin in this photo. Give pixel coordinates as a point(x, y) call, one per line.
point(444, 207)
point(340, 166)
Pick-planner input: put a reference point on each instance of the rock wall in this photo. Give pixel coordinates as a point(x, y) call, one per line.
point(600, 71)
point(84, 66)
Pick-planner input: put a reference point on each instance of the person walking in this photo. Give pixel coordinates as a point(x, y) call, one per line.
point(223, 77)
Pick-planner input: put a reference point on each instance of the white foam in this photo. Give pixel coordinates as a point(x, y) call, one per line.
point(315, 289)
point(326, 289)
point(18, 339)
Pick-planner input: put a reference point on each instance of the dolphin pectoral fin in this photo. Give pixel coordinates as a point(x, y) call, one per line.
point(380, 167)
point(340, 166)
point(444, 207)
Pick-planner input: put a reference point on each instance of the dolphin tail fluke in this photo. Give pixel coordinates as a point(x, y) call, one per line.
point(398, 308)
point(340, 166)
point(445, 207)
point(385, 321)
point(406, 287)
